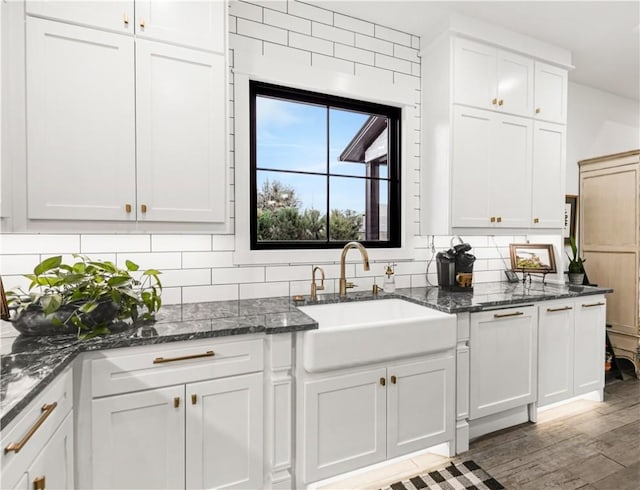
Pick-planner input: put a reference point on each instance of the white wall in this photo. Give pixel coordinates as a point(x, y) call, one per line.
point(598, 123)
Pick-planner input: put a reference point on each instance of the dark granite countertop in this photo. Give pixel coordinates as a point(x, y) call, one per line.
point(29, 364)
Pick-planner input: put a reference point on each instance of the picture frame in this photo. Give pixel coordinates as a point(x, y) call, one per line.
point(570, 217)
point(532, 257)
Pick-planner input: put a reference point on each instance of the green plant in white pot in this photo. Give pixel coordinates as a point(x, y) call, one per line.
point(576, 264)
point(87, 297)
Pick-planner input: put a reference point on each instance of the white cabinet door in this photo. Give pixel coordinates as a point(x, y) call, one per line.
point(503, 369)
point(53, 467)
point(555, 351)
point(80, 122)
point(116, 15)
point(224, 433)
point(547, 184)
point(475, 77)
point(589, 344)
point(550, 93)
point(344, 423)
point(181, 146)
point(420, 405)
point(199, 24)
point(471, 161)
point(510, 172)
point(139, 439)
point(515, 83)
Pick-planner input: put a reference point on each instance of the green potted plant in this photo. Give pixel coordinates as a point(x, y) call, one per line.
point(576, 267)
point(87, 297)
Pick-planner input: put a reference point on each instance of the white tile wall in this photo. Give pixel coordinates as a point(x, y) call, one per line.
point(200, 267)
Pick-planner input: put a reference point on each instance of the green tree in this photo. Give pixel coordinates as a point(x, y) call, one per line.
point(345, 225)
point(276, 195)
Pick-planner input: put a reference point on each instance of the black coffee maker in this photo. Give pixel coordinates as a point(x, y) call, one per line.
point(455, 267)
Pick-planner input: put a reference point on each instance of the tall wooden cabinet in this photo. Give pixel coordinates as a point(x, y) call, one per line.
point(610, 241)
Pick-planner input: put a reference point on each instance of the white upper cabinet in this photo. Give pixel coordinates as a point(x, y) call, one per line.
point(192, 23)
point(550, 93)
point(549, 150)
point(115, 15)
point(181, 150)
point(491, 78)
point(80, 122)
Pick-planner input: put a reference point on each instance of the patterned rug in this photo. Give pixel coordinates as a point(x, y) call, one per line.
point(467, 475)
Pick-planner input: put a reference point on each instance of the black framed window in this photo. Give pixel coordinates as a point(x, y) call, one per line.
point(325, 170)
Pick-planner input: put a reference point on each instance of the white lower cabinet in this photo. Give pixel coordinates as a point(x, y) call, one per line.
point(355, 418)
point(503, 360)
point(39, 446)
point(206, 432)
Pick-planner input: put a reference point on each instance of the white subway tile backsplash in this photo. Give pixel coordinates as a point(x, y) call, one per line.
point(264, 290)
point(186, 277)
point(391, 63)
point(158, 260)
point(224, 243)
point(309, 43)
point(194, 260)
point(280, 5)
point(373, 73)
point(265, 32)
point(353, 24)
point(415, 42)
point(419, 280)
point(332, 33)
point(199, 294)
point(374, 44)
point(354, 54)
point(180, 243)
point(237, 275)
point(310, 12)
point(245, 10)
point(406, 53)
point(38, 243)
point(14, 282)
point(288, 273)
point(246, 44)
point(115, 243)
point(392, 35)
point(289, 22)
point(333, 64)
point(18, 264)
point(304, 288)
point(415, 69)
point(292, 55)
point(171, 296)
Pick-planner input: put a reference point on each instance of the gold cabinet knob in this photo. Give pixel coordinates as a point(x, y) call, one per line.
point(143, 208)
point(142, 24)
point(536, 220)
point(176, 402)
point(494, 101)
point(492, 219)
point(127, 208)
point(500, 102)
point(125, 19)
point(538, 110)
point(194, 399)
point(39, 483)
point(383, 381)
point(499, 219)
point(393, 380)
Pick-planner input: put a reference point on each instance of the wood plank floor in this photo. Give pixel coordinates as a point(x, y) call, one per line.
point(585, 444)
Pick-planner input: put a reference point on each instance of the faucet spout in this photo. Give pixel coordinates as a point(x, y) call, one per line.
point(344, 285)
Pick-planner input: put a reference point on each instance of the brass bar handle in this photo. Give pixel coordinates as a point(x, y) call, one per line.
point(125, 19)
point(143, 208)
point(142, 24)
point(39, 483)
point(494, 101)
point(393, 380)
point(383, 381)
point(492, 219)
point(176, 402)
point(500, 102)
point(499, 219)
point(127, 208)
point(162, 360)
point(506, 315)
point(564, 308)
point(46, 411)
point(589, 305)
point(194, 398)
point(536, 220)
point(538, 110)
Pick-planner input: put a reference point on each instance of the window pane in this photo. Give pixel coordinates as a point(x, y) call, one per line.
point(291, 135)
point(291, 206)
point(356, 138)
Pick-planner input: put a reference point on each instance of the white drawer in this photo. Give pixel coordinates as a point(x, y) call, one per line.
point(141, 368)
point(35, 425)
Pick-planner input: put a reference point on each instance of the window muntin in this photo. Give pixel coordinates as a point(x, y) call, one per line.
point(324, 170)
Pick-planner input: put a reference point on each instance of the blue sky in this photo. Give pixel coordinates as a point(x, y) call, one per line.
point(293, 136)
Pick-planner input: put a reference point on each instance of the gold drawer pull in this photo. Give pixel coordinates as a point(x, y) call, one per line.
point(494, 101)
point(46, 411)
point(176, 402)
point(143, 208)
point(125, 19)
point(564, 308)
point(499, 219)
point(393, 380)
point(537, 110)
point(383, 381)
point(593, 304)
point(194, 399)
point(39, 483)
point(536, 220)
point(500, 102)
point(492, 219)
point(505, 315)
point(161, 360)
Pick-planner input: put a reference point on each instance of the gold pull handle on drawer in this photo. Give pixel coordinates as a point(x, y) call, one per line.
point(194, 398)
point(537, 110)
point(161, 360)
point(383, 381)
point(536, 220)
point(176, 402)
point(492, 219)
point(143, 208)
point(127, 208)
point(393, 380)
point(125, 19)
point(500, 102)
point(506, 315)
point(494, 101)
point(564, 308)
point(46, 411)
point(142, 24)
point(39, 483)
point(589, 305)
point(499, 219)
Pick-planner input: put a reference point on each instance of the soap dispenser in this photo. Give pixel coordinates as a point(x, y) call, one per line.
point(389, 285)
